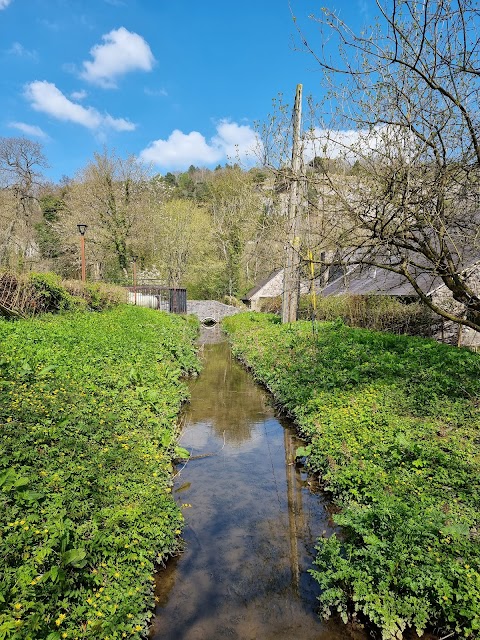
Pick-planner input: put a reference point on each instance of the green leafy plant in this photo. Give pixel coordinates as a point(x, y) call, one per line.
point(392, 424)
point(88, 414)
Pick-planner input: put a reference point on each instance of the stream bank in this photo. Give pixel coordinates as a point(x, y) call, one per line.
point(252, 519)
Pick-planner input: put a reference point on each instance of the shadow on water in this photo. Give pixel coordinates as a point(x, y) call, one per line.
point(252, 524)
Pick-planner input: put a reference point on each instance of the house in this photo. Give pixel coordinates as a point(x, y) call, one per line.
point(361, 279)
point(269, 287)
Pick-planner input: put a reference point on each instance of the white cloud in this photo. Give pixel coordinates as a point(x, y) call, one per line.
point(79, 95)
point(236, 141)
point(19, 50)
point(122, 52)
point(4, 4)
point(45, 97)
point(29, 129)
point(180, 150)
point(155, 92)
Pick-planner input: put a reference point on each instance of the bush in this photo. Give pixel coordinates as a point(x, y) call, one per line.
point(30, 294)
point(23, 295)
point(97, 295)
point(50, 294)
point(380, 313)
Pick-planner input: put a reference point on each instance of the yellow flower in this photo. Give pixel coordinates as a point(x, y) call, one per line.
point(60, 619)
point(17, 606)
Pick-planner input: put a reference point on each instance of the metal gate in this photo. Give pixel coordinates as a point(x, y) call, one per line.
point(162, 298)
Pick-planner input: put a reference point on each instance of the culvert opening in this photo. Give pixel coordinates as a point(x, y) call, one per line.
point(209, 322)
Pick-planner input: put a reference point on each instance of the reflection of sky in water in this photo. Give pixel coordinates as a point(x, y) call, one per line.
point(224, 396)
point(251, 530)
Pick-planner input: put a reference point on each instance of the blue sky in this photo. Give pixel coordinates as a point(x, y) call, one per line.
point(174, 82)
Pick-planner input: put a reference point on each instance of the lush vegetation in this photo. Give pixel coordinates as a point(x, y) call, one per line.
point(33, 293)
point(215, 232)
point(88, 406)
point(379, 312)
point(392, 424)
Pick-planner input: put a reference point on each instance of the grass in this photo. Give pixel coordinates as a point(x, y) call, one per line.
point(88, 406)
point(392, 424)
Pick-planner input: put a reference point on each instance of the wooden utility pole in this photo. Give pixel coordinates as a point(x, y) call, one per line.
point(291, 274)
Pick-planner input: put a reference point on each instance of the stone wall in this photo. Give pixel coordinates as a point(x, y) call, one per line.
point(204, 309)
point(444, 299)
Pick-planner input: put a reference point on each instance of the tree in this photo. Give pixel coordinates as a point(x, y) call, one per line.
point(183, 241)
point(243, 232)
point(111, 195)
point(412, 134)
point(52, 205)
point(21, 162)
point(170, 179)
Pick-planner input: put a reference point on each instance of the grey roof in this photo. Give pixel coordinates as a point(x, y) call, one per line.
point(260, 285)
point(366, 279)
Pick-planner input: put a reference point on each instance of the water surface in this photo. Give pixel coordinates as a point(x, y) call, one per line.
point(252, 518)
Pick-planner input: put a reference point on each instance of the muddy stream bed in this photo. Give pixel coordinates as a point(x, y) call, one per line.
point(252, 518)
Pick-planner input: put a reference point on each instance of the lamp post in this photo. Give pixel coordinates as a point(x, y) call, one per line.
point(134, 260)
point(81, 229)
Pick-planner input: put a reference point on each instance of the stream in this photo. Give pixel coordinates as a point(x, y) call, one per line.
point(251, 520)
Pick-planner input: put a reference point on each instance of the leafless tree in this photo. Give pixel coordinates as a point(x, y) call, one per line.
point(21, 162)
point(408, 132)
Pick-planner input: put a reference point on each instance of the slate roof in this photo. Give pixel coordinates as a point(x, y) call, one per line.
point(365, 279)
point(249, 295)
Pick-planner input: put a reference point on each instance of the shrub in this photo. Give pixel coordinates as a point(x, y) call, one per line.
point(380, 313)
point(50, 294)
point(29, 294)
point(23, 295)
point(97, 295)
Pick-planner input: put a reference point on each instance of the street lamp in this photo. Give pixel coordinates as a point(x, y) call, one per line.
point(134, 260)
point(81, 229)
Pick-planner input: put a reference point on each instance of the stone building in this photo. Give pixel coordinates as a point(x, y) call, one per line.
point(364, 280)
point(270, 287)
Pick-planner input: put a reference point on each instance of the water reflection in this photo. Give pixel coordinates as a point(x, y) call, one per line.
point(252, 526)
point(225, 397)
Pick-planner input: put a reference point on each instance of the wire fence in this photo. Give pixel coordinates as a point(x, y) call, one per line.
point(173, 300)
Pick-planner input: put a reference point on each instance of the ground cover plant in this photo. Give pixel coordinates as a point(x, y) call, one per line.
point(88, 407)
point(393, 429)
